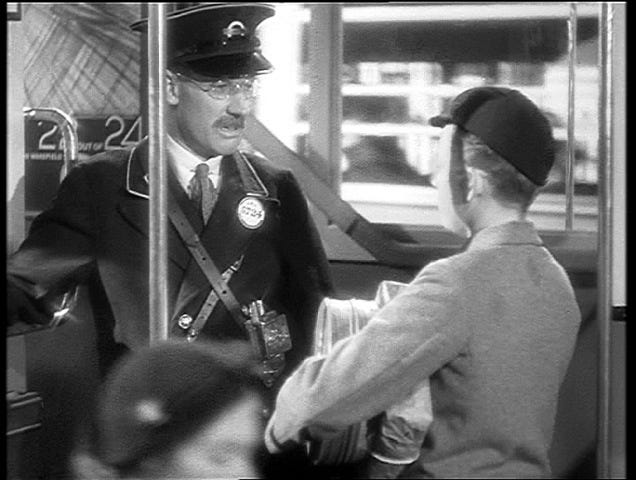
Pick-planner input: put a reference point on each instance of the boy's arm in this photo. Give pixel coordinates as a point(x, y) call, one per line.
point(396, 438)
point(409, 339)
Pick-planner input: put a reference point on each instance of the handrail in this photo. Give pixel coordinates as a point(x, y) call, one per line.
point(382, 246)
point(68, 300)
point(67, 129)
point(158, 173)
point(571, 143)
point(604, 239)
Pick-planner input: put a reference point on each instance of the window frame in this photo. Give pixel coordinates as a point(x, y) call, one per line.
point(575, 248)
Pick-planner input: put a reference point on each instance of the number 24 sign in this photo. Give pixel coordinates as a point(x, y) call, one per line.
point(94, 134)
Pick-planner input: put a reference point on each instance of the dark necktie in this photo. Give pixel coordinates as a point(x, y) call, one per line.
point(202, 191)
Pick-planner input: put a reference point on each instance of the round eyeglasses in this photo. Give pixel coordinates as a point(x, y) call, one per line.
point(224, 88)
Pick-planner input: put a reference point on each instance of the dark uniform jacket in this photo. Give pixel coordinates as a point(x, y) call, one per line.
point(96, 232)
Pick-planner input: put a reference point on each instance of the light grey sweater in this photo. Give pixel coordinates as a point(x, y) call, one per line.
point(493, 327)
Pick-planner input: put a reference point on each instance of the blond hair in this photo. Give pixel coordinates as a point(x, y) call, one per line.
point(510, 186)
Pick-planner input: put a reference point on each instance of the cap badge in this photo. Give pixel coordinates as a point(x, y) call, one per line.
point(251, 213)
point(234, 29)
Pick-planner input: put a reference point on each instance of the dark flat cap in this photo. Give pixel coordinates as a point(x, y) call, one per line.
point(216, 39)
point(509, 123)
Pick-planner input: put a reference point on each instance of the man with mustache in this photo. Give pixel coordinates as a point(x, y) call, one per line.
point(250, 216)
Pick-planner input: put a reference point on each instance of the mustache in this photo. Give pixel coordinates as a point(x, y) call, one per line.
point(230, 122)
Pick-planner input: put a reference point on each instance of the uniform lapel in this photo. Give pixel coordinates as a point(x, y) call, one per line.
point(134, 205)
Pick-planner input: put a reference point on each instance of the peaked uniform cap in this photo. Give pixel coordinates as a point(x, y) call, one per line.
point(509, 123)
point(215, 39)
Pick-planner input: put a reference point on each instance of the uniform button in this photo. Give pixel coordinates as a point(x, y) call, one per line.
point(184, 321)
point(266, 412)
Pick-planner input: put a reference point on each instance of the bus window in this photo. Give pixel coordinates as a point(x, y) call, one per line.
point(402, 64)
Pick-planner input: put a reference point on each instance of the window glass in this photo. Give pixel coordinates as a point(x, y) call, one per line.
point(403, 63)
point(281, 91)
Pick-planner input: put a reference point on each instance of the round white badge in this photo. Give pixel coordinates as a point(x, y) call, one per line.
point(251, 212)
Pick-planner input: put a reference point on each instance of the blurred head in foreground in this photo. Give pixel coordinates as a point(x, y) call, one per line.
point(176, 410)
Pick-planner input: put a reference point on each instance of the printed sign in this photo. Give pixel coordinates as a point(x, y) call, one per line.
point(44, 140)
point(44, 150)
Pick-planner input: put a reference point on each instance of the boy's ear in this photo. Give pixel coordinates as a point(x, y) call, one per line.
point(477, 184)
point(172, 88)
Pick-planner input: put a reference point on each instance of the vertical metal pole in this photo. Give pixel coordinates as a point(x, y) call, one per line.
point(571, 145)
point(15, 172)
point(618, 325)
point(143, 75)
point(158, 281)
point(15, 168)
point(604, 236)
point(325, 90)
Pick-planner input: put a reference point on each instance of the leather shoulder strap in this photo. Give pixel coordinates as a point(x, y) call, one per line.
point(200, 254)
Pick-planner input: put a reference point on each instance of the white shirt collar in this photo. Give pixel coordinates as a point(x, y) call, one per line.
point(184, 161)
